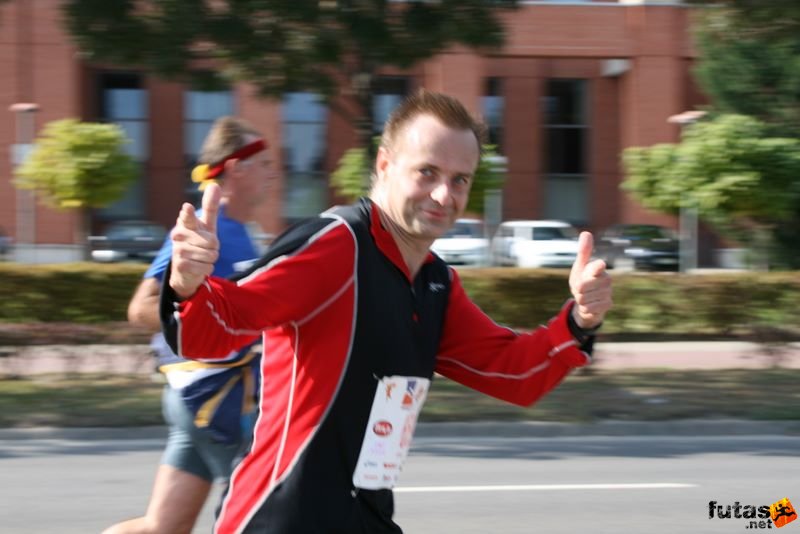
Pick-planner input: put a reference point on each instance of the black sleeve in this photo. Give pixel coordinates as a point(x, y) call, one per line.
point(168, 305)
point(584, 336)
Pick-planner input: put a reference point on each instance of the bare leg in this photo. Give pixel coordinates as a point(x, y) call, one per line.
point(175, 503)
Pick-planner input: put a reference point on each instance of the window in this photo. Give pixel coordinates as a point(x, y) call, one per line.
point(464, 228)
point(200, 110)
point(550, 233)
point(388, 92)
point(493, 105)
point(566, 150)
point(305, 120)
point(123, 101)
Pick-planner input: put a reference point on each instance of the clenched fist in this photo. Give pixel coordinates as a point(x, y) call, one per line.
point(590, 285)
point(195, 247)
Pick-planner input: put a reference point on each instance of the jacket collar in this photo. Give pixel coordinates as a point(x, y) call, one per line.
point(386, 243)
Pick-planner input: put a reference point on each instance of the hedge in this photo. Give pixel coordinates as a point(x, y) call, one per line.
point(668, 304)
point(68, 292)
point(644, 303)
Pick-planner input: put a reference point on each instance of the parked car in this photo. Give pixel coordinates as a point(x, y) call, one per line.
point(535, 244)
point(464, 244)
point(128, 240)
point(642, 246)
point(5, 243)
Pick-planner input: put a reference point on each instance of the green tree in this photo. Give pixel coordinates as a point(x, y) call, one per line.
point(349, 182)
point(749, 63)
point(78, 165)
point(748, 73)
point(728, 168)
point(766, 18)
point(284, 45)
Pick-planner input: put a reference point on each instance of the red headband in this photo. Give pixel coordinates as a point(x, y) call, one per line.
point(246, 151)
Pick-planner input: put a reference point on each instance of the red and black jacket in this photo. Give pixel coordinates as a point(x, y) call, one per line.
point(338, 311)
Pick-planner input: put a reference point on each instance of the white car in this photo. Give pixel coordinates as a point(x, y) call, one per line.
point(535, 244)
point(464, 244)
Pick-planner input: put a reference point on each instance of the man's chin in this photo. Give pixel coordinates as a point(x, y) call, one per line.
point(433, 230)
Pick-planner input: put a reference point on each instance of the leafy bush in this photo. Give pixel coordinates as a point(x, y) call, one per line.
point(75, 292)
point(649, 305)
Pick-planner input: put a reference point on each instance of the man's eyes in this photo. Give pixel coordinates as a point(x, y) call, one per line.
point(429, 173)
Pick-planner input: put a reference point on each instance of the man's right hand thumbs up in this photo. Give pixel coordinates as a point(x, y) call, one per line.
point(195, 247)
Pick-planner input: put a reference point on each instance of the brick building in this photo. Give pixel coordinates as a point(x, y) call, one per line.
point(577, 82)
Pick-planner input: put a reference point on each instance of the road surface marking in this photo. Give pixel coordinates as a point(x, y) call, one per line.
point(540, 487)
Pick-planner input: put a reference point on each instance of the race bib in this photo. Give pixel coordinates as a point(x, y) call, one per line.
point(395, 408)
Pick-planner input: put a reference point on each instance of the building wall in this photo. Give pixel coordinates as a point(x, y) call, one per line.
point(165, 169)
point(627, 107)
point(37, 65)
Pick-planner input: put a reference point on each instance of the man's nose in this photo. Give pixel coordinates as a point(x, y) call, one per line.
point(441, 193)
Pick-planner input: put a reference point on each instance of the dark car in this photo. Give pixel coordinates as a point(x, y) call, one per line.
point(642, 246)
point(128, 241)
point(5, 243)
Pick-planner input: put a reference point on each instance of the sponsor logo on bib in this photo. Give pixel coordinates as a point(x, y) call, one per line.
point(382, 428)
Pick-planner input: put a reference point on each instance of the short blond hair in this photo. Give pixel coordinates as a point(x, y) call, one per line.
point(445, 108)
point(227, 135)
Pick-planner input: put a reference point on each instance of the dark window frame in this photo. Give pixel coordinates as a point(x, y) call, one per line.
point(495, 131)
point(108, 80)
point(571, 164)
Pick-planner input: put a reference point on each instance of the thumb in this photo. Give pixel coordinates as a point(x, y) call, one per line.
point(211, 197)
point(585, 247)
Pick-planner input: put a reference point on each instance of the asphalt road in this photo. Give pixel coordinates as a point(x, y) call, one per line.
point(653, 485)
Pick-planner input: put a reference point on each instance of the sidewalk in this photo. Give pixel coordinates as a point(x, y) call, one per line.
point(696, 355)
point(136, 359)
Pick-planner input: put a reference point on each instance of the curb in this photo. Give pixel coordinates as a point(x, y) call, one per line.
point(84, 433)
point(522, 429)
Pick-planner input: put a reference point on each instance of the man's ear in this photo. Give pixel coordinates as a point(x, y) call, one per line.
point(382, 161)
point(232, 166)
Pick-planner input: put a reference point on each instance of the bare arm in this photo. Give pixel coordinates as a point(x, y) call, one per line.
point(143, 307)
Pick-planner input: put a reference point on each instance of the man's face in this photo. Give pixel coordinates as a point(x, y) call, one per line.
point(424, 179)
point(256, 176)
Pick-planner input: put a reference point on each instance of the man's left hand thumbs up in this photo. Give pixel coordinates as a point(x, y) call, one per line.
point(590, 285)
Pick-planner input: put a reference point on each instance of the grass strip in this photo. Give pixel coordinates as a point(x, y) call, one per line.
point(637, 395)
